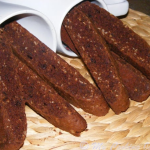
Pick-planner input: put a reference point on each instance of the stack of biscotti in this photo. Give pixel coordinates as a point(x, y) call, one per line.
point(30, 73)
point(19, 86)
point(68, 82)
point(97, 57)
point(122, 40)
point(92, 31)
point(136, 84)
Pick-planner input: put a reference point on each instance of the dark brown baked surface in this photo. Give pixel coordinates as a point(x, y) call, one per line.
point(124, 41)
point(55, 71)
point(97, 57)
point(137, 85)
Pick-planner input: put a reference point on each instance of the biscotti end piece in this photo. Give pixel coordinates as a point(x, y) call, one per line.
point(137, 85)
point(68, 82)
point(97, 57)
point(121, 38)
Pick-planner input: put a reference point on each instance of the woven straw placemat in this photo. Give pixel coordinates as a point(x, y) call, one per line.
point(128, 131)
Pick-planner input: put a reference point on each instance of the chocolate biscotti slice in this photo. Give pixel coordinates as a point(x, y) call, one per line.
point(13, 124)
point(124, 41)
point(97, 57)
point(137, 85)
point(55, 71)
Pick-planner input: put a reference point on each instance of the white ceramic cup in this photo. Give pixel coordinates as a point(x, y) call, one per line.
point(35, 22)
point(56, 11)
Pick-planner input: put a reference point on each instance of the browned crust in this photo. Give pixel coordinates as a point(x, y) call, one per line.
point(124, 41)
point(137, 85)
point(97, 57)
point(49, 66)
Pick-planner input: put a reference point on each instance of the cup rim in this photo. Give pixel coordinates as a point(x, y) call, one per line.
point(26, 10)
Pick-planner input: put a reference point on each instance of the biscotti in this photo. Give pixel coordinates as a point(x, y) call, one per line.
point(137, 85)
point(12, 108)
point(55, 71)
point(67, 40)
point(123, 41)
point(20, 85)
point(97, 57)
point(43, 99)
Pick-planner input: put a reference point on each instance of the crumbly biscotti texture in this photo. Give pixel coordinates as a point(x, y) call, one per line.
point(66, 40)
point(12, 109)
point(53, 69)
point(137, 85)
point(97, 57)
point(123, 41)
